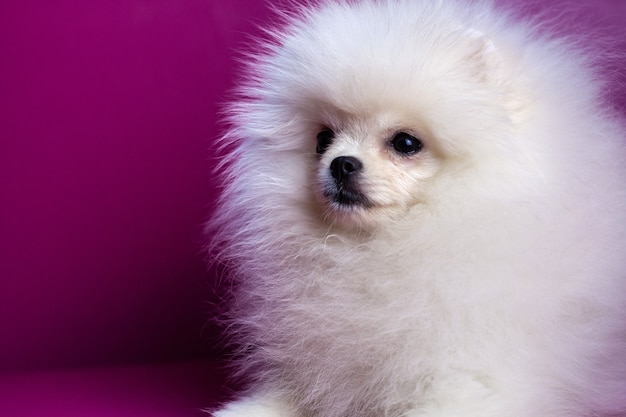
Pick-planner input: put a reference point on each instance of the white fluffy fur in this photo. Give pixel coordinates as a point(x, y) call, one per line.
point(488, 278)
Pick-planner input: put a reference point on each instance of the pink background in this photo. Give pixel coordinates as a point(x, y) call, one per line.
point(107, 116)
point(107, 113)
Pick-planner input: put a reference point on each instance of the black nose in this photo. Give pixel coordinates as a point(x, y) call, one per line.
point(343, 167)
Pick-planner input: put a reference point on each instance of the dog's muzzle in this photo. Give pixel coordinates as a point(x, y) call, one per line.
point(344, 188)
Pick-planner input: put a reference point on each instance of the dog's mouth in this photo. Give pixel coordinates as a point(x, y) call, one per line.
point(343, 196)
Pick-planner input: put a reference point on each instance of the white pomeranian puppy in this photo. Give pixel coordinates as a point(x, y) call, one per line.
point(425, 213)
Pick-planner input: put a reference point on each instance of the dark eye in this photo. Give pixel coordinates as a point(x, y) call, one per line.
point(406, 144)
point(324, 140)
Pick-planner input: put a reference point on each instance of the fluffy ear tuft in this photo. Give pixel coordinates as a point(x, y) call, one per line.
point(491, 64)
point(482, 54)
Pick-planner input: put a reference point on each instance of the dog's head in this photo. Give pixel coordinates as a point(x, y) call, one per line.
point(381, 111)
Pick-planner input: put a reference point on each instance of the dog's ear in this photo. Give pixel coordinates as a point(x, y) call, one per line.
point(482, 55)
point(492, 64)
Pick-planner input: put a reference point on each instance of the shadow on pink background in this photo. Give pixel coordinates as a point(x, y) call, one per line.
point(107, 116)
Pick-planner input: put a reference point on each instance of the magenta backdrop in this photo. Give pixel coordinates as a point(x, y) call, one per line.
point(107, 113)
